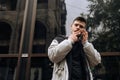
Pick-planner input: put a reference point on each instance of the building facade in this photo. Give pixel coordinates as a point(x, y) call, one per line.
point(27, 27)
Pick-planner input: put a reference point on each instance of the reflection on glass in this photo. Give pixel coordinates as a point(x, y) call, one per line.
point(36, 74)
point(7, 68)
point(40, 69)
point(7, 5)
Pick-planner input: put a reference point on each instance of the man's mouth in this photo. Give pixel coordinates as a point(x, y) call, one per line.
point(76, 30)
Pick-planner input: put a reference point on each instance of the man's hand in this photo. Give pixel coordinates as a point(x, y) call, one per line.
point(74, 36)
point(85, 35)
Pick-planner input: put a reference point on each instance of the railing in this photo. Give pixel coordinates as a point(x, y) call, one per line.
point(104, 54)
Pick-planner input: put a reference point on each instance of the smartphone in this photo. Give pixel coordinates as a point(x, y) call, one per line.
point(80, 37)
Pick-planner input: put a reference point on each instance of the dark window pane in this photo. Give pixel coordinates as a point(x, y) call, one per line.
point(7, 5)
point(38, 49)
point(40, 69)
point(7, 68)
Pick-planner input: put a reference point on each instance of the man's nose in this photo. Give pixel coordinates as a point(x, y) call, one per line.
point(78, 27)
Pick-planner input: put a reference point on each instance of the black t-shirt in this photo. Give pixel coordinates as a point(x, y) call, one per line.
point(76, 68)
point(77, 63)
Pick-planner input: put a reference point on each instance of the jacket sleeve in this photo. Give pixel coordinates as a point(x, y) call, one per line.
point(58, 51)
point(93, 55)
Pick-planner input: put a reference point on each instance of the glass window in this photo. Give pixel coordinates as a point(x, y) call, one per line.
point(5, 34)
point(8, 5)
point(40, 69)
point(42, 4)
point(7, 68)
point(39, 44)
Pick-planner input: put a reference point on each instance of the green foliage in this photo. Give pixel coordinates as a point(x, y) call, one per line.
point(105, 13)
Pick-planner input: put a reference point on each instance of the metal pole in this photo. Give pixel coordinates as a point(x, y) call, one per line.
point(21, 41)
point(33, 19)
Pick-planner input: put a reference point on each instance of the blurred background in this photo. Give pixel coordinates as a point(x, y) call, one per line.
point(27, 28)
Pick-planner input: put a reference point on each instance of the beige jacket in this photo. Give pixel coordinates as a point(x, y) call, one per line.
point(58, 51)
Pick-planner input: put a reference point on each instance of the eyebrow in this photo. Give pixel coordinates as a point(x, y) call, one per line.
point(81, 26)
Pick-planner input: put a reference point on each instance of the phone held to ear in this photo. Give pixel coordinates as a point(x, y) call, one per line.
point(80, 37)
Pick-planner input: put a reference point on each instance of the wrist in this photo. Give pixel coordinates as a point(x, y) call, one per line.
point(70, 40)
point(85, 43)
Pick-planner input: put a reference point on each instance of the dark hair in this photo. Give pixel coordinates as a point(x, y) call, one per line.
point(80, 19)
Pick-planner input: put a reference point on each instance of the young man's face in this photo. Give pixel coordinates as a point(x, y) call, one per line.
point(77, 26)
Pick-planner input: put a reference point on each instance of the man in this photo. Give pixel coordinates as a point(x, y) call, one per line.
point(73, 57)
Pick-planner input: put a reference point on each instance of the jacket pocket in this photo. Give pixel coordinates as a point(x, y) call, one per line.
point(59, 71)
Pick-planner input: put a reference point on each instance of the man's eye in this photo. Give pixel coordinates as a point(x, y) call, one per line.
point(81, 26)
point(76, 24)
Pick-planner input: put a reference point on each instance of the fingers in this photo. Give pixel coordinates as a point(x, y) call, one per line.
point(75, 34)
point(73, 37)
point(85, 35)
